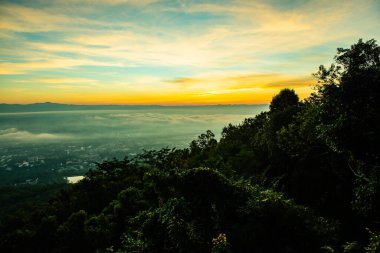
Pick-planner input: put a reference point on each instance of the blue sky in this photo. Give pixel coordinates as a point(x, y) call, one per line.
point(172, 52)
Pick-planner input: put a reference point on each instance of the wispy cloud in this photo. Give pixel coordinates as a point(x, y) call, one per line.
point(10, 68)
point(245, 81)
point(108, 2)
point(153, 46)
point(66, 80)
point(18, 18)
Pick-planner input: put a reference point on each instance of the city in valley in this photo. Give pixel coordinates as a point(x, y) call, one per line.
point(53, 163)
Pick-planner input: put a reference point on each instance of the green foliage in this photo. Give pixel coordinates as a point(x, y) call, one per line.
point(374, 243)
point(367, 193)
point(72, 232)
point(348, 97)
point(348, 100)
point(220, 244)
point(132, 244)
point(351, 247)
point(205, 141)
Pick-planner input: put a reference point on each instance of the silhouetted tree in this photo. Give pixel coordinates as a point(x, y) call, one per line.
point(286, 98)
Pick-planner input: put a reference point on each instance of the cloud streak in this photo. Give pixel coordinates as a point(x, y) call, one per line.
point(174, 47)
point(245, 81)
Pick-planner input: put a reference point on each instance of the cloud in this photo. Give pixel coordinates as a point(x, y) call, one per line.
point(146, 44)
point(69, 84)
point(245, 81)
point(261, 27)
point(63, 87)
point(172, 118)
point(148, 48)
point(185, 81)
point(250, 31)
point(66, 80)
point(109, 2)
point(18, 18)
point(15, 134)
point(11, 68)
point(245, 88)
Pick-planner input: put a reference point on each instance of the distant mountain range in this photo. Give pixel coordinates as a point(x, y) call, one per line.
point(48, 106)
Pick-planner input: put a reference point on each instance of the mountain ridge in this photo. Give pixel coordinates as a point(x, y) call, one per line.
point(51, 106)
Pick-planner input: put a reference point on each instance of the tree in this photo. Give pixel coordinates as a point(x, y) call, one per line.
point(286, 98)
point(348, 98)
point(205, 141)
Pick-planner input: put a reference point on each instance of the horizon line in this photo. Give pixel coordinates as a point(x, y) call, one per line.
point(162, 105)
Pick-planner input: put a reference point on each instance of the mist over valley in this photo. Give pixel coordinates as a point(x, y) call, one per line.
point(39, 144)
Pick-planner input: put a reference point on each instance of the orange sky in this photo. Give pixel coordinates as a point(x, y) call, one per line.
point(172, 52)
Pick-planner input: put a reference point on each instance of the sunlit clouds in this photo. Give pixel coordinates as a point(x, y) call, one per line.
point(172, 52)
point(15, 134)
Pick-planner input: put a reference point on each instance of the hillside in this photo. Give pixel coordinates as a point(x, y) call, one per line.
point(302, 177)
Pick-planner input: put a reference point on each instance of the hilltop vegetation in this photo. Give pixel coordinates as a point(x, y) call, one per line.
point(302, 177)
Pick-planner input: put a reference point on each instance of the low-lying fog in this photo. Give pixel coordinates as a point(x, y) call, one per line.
point(52, 145)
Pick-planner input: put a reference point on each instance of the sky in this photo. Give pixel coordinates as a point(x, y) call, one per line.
point(177, 52)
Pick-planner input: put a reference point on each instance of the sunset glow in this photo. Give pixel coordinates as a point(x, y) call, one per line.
point(172, 52)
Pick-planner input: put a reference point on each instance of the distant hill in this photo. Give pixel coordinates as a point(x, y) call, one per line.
point(48, 106)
